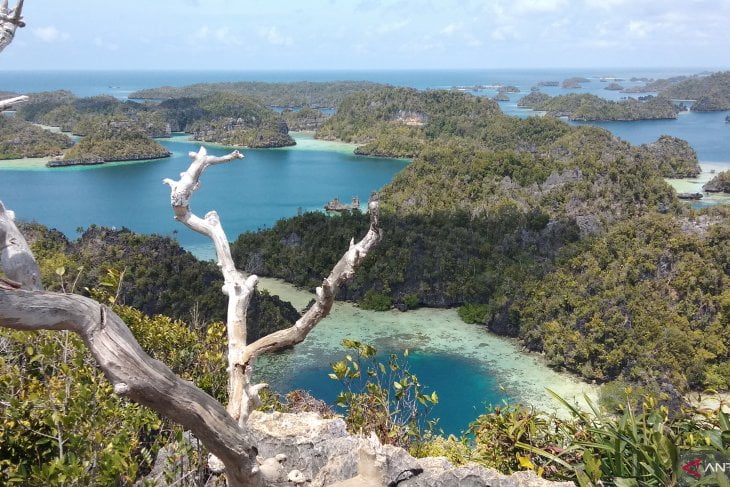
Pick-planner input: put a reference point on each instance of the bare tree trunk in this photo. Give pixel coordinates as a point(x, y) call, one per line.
point(10, 20)
point(238, 289)
point(134, 374)
point(243, 395)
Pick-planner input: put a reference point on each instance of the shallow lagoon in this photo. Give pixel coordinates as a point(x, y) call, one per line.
point(467, 366)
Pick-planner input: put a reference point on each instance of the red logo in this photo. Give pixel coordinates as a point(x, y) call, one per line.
point(691, 468)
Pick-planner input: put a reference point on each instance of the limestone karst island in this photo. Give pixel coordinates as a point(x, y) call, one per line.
point(364, 244)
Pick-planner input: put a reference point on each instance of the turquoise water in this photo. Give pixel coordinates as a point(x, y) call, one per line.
point(248, 194)
point(469, 367)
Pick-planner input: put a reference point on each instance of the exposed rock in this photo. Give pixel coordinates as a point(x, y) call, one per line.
point(718, 184)
point(411, 118)
point(321, 452)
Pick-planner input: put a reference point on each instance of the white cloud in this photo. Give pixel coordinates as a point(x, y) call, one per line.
point(539, 6)
point(102, 43)
point(50, 34)
point(273, 36)
point(221, 35)
point(393, 26)
point(452, 28)
point(605, 4)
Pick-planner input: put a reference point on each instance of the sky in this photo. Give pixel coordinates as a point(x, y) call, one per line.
point(369, 34)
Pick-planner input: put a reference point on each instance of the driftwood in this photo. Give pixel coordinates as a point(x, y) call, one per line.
point(24, 305)
point(10, 21)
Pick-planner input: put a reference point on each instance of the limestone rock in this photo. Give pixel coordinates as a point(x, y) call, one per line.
point(326, 455)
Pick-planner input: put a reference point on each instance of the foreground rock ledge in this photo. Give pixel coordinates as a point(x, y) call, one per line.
point(325, 454)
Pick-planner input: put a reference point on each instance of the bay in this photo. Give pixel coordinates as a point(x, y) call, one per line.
point(248, 194)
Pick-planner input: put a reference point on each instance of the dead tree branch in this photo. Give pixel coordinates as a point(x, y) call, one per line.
point(8, 103)
point(10, 21)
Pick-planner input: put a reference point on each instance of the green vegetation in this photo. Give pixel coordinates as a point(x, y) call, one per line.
point(113, 141)
point(328, 94)
point(306, 118)
point(116, 126)
point(61, 423)
point(585, 107)
point(400, 121)
point(159, 276)
point(640, 447)
point(636, 443)
point(20, 139)
point(645, 301)
point(711, 93)
point(384, 398)
point(238, 120)
point(505, 218)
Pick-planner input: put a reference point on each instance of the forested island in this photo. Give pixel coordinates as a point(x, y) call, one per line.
point(110, 141)
point(709, 92)
point(115, 127)
point(586, 107)
point(328, 94)
point(528, 226)
point(19, 139)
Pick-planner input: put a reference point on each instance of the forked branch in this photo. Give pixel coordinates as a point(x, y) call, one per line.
point(134, 374)
point(10, 21)
point(343, 271)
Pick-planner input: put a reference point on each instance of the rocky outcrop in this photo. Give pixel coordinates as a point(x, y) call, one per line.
point(675, 157)
point(304, 449)
point(718, 184)
point(411, 118)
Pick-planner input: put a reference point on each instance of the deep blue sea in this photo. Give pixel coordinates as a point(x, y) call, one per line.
point(272, 184)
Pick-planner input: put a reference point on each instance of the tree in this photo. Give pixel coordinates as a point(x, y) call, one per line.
point(25, 305)
point(10, 20)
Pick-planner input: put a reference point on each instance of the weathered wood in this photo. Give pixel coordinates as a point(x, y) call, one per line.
point(16, 258)
point(343, 271)
point(10, 21)
point(8, 103)
point(135, 374)
point(236, 286)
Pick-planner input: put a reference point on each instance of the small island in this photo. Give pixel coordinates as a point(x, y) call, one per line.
point(500, 97)
point(573, 83)
point(710, 92)
point(719, 184)
point(614, 87)
point(110, 142)
point(222, 117)
point(20, 139)
point(588, 108)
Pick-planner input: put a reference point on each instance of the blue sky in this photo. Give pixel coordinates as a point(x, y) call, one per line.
point(370, 34)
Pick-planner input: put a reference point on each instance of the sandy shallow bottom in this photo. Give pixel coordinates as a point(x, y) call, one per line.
point(694, 185)
point(433, 334)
